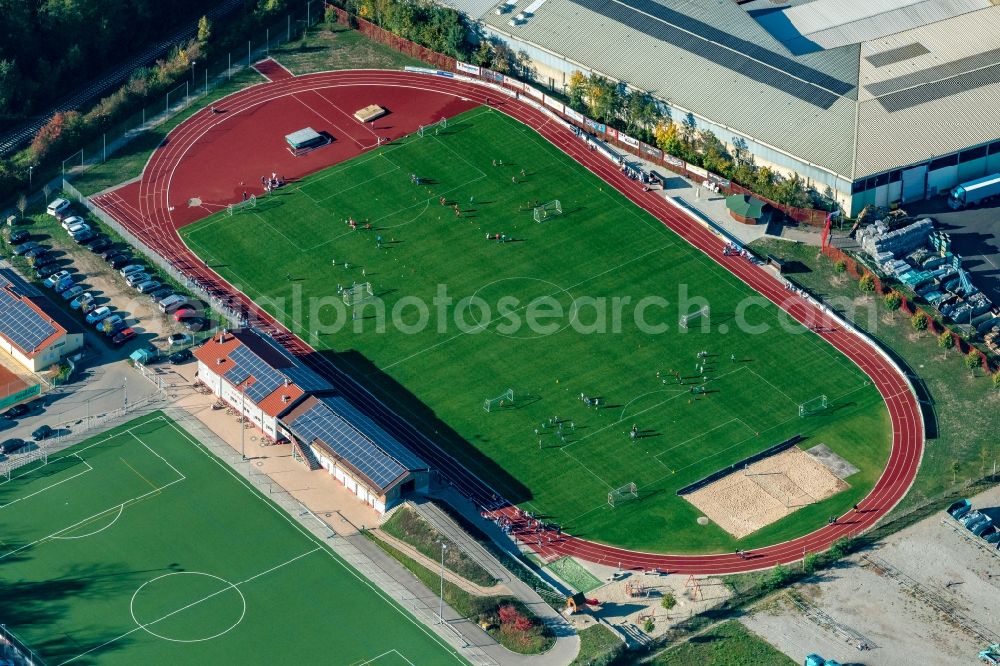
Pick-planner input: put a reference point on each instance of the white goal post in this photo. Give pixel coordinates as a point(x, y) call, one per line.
point(547, 210)
point(358, 293)
point(688, 318)
point(499, 402)
point(248, 203)
point(623, 494)
point(808, 407)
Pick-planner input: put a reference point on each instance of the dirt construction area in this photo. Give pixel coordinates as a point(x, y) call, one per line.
point(766, 491)
point(927, 595)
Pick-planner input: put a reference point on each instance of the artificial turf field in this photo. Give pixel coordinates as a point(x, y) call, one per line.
point(289, 252)
point(140, 547)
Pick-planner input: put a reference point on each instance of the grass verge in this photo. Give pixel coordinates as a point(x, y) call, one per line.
point(726, 644)
point(599, 646)
point(407, 526)
point(333, 46)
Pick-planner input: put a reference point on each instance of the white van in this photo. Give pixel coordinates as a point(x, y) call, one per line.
point(171, 303)
point(58, 207)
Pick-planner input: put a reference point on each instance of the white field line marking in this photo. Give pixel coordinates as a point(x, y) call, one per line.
point(49, 487)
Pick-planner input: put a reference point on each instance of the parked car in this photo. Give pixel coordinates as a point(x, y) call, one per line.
point(81, 300)
point(105, 323)
point(77, 228)
point(42, 432)
point(16, 412)
point(161, 293)
point(19, 236)
point(88, 307)
point(172, 303)
point(98, 314)
point(194, 324)
point(110, 252)
point(12, 445)
point(135, 279)
point(85, 237)
point(36, 251)
point(119, 260)
point(179, 357)
point(115, 328)
point(132, 268)
point(178, 339)
point(63, 285)
point(71, 221)
point(184, 313)
point(71, 293)
point(46, 270)
point(25, 248)
point(99, 244)
point(148, 286)
point(123, 336)
point(58, 207)
point(53, 279)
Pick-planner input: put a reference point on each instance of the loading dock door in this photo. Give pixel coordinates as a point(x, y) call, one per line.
point(914, 183)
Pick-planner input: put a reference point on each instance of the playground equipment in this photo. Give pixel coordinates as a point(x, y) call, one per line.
point(991, 655)
point(959, 509)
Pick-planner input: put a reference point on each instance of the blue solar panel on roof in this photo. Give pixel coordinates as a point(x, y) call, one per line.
point(22, 325)
point(375, 432)
point(321, 423)
point(266, 378)
point(749, 59)
point(306, 379)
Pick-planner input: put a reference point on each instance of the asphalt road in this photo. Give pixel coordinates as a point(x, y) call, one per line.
point(975, 235)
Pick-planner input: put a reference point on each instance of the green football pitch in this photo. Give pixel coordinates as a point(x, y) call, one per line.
point(140, 547)
point(584, 303)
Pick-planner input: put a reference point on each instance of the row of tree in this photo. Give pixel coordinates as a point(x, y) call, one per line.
point(640, 115)
point(438, 28)
point(68, 131)
point(50, 46)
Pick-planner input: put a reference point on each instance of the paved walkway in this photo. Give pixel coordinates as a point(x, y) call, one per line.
point(567, 643)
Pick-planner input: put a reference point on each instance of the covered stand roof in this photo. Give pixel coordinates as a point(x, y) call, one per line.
point(351, 438)
point(745, 206)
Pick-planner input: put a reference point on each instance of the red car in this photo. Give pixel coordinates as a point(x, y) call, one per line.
point(123, 336)
point(184, 313)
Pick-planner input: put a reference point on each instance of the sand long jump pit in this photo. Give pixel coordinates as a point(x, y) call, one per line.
point(751, 497)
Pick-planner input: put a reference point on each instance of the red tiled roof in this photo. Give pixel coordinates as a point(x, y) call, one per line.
point(57, 333)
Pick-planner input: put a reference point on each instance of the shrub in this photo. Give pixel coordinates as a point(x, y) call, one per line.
point(648, 625)
point(946, 340)
point(919, 321)
point(867, 283)
point(669, 600)
point(841, 547)
point(778, 577)
point(893, 300)
point(996, 379)
point(840, 266)
point(809, 563)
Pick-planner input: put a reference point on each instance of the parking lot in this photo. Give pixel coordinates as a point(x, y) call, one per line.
point(929, 594)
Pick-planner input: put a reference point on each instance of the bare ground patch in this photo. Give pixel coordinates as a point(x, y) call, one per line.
point(766, 491)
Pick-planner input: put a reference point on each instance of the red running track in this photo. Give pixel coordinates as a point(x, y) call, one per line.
point(194, 160)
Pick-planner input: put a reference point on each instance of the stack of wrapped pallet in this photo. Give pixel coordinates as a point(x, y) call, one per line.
point(877, 241)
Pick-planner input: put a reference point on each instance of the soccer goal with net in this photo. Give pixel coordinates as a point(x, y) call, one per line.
point(499, 402)
point(688, 318)
point(358, 293)
point(813, 406)
point(251, 202)
point(548, 210)
point(624, 494)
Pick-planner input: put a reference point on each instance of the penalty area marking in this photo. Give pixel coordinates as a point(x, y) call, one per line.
point(384, 654)
point(121, 510)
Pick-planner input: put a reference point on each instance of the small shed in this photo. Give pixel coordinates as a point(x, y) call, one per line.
point(744, 208)
point(304, 138)
point(144, 356)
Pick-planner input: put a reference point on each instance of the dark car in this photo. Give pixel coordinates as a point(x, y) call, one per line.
point(17, 411)
point(25, 248)
point(194, 324)
point(85, 237)
point(161, 293)
point(116, 328)
point(119, 260)
point(110, 252)
point(179, 356)
point(47, 270)
point(35, 252)
point(19, 236)
point(42, 432)
point(12, 445)
point(99, 244)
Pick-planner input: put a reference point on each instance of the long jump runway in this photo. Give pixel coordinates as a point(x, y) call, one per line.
point(213, 157)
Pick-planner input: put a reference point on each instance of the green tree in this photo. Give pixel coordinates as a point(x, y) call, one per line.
point(867, 283)
point(204, 29)
point(10, 87)
point(22, 204)
point(955, 468)
point(668, 601)
point(667, 138)
point(841, 547)
point(809, 563)
point(893, 300)
point(603, 99)
point(840, 266)
point(778, 577)
point(714, 155)
point(973, 360)
point(641, 111)
point(689, 128)
point(996, 380)
point(577, 90)
point(946, 340)
point(483, 54)
point(919, 321)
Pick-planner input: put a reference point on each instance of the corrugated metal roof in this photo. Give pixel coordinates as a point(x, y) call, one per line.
point(724, 95)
